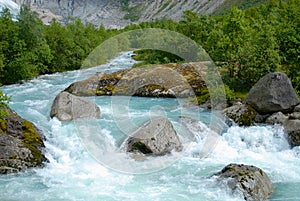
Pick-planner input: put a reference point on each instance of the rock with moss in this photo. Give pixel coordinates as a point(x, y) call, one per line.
point(99, 85)
point(167, 80)
point(67, 107)
point(242, 114)
point(249, 181)
point(273, 93)
point(21, 144)
point(156, 137)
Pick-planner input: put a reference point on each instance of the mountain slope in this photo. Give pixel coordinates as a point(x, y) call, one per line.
point(118, 13)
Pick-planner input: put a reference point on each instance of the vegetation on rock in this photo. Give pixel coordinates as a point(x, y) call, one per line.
point(165, 80)
point(21, 144)
point(252, 182)
point(3, 106)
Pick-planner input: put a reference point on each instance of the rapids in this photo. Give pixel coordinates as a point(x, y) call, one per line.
point(87, 163)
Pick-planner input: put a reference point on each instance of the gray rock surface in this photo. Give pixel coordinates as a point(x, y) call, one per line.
point(277, 118)
point(297, 108)
point(251, 181)
point(67, 107)
point(292, 128)
point(20, 144)
point(294, 115)
point(273, 93)
point(155, 137)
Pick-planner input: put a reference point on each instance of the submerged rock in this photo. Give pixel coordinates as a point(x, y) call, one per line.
point(251, 181)
point(20, 144)
point(273, 93)
point(155, 137)
point(168, 80)
point(67, 107)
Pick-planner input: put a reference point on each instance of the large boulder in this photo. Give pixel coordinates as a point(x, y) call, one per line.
point(250, 181)
point(155, 137)
point(273, 93)
point(67, 107)
point(21, 144)
point(292, 128)
point(168, 80)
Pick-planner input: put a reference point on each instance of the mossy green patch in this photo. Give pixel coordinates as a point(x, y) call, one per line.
point(13, 156)
point(242, 4)
point(248, 117)
point(242, 114)
point(33, 141)
point(133, 13)
point(3, 126)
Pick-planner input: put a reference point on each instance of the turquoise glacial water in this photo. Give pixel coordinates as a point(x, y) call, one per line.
point(86, 160)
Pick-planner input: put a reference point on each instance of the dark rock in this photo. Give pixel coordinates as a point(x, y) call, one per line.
point(155, 137)
point(20, 144)
point(273, 93)
point(276, 118)
point(67, 107)
point(292, 128)
point(252, 182)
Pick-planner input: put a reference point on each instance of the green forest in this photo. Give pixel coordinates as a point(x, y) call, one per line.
point(245, 43)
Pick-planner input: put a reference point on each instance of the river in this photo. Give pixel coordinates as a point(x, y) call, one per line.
point(76, 171)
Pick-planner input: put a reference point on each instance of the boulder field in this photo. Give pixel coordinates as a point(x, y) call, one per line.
point(271, 100)
point(157, 137)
